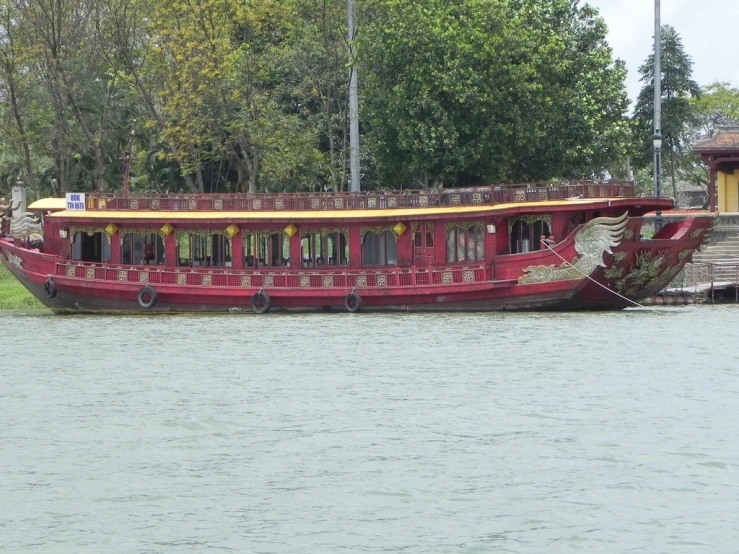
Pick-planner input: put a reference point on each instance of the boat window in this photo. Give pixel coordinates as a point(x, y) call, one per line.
point(424, 240)
point(465, 243)
point(423, 243)
point(90, 247)
point(319, 248)
point(142, 249)
point(574, 221)
point(379, 249)
point(204, 250)
point(266, 249)
point(526, 233)
point(220, 251)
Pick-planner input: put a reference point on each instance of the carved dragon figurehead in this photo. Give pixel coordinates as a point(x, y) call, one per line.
point(598, 236)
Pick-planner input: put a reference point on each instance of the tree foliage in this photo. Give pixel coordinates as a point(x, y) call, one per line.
point(491, 90)
point(717, 104)
point(230, 95)
point(678, 118)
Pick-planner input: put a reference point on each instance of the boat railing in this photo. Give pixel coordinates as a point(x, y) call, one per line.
point(373, 200)
point(275, 278)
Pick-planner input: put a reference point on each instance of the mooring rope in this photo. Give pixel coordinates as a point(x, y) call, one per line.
point(635, 303)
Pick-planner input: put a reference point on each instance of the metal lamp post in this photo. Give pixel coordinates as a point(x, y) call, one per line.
point(657, 136)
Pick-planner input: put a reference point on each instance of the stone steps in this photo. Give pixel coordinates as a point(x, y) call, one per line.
point(722, 252)
point(711, 256)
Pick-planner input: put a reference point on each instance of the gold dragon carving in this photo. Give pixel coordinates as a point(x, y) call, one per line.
point(597, 237)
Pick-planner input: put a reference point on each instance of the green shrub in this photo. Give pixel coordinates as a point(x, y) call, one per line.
point(13, 295)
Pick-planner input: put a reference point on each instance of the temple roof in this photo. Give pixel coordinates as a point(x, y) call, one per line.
point(724, 139)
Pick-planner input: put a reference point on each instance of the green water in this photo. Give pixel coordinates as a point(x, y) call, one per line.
point(370, 433)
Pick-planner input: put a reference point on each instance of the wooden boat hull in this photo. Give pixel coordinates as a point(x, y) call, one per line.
point(634, 270)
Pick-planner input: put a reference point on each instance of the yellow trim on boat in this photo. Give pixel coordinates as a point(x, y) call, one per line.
point(397, 213)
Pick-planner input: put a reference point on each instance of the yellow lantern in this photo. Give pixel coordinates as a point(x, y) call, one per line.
point(232, 230)
point(166, 229)
point(290, 230)
point(399, 228)
point(111, 229)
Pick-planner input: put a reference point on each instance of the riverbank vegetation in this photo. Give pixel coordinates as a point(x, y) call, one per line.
point(234, 96)
point(13, 295)
point(249, 96)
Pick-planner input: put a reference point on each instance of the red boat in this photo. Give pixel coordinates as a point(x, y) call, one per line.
point(570, 246)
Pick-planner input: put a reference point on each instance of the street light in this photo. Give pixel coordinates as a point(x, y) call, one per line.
point(657, 140)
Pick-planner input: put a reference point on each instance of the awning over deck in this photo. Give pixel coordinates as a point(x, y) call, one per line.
point(48, 204)
point(344, 215)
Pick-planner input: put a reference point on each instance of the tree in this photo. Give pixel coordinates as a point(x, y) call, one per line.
point(677, 89)
point(717, 104)
point(263, 132)
point(321, 57)
point(490, 90)
point(16, 89)
point(252, 95)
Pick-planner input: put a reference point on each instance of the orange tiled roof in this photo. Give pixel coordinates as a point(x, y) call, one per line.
point(724, 138)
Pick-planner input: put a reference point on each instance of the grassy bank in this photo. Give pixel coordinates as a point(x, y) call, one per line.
point(13, 295)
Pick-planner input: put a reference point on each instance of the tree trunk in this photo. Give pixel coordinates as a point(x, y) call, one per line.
point(422, 182)
point(59, 145)
point(82, 121)
point(30, 176)
point(242, 181)
point(199, 184)
point(247, 158)
point(326, 100)
point(254, 155)
point(199, 178)
point(151, 109)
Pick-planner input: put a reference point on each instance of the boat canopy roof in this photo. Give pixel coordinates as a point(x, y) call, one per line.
point(48, 204)
point(370, 204)
point(340, 201)
point(368, 214)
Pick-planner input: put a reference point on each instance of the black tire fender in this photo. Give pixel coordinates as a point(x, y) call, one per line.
point(352, 302)
point(147, 291)
point(49, 288)
point(260, 303)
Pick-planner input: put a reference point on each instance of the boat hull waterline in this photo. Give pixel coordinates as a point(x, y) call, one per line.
point(602, 265)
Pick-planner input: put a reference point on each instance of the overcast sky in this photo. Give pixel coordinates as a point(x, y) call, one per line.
point(707, 28)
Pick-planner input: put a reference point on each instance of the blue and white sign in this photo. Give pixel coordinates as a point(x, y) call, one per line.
point(75, 200)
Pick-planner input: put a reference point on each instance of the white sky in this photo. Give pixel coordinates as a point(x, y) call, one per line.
point(707, 29)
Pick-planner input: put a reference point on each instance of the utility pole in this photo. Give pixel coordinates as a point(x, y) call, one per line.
point(353, 106)
point(657, 137)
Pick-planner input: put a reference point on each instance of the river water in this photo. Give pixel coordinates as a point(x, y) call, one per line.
point(524, 433)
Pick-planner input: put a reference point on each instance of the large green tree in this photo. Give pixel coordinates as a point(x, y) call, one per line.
point(17, 85)
point(490, 90)
point(717, 104)
point(678, 87)
point(232, 95)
